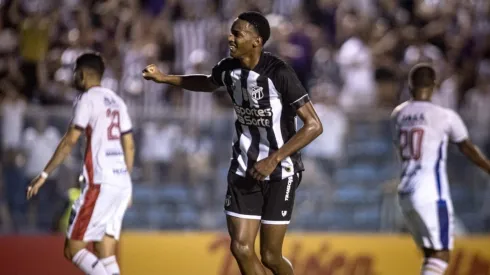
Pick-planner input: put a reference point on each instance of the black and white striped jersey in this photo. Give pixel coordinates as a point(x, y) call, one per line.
point(265, 101)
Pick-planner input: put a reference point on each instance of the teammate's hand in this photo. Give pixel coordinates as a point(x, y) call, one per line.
point(151, 72)
point(262, 169)
point(34, 186)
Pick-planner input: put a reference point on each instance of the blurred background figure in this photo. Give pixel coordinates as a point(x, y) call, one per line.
point(352, 56)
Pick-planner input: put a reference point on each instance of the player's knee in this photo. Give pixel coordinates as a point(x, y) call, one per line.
point(270, 258)
point(241, 250)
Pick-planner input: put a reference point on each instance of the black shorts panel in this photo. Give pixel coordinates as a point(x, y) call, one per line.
point(270, 201)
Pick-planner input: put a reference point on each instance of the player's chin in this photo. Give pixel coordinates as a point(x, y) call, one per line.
point(233, 54)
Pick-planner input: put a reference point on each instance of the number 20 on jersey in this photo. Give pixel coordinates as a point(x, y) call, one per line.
point(411, 143)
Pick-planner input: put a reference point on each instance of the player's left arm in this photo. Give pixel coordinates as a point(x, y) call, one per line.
point(312, 129)
point(459, 134)
point(297, 98)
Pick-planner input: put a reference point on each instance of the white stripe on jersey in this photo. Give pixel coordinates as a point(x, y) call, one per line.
point(276, 126)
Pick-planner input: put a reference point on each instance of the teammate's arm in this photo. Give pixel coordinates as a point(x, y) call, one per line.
point(128, 148)
point(471, 151)
point(196, 82)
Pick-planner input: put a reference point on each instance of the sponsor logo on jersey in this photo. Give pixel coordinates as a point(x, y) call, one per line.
point(257, 93)
point(284, 213)
point(259, 117)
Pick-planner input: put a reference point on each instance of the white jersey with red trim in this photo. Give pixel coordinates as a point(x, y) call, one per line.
point(421, 132)
point(104, 117)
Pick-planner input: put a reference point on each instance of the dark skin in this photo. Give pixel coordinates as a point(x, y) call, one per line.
point(470, 150)
point(246, 46)
point(84, 79)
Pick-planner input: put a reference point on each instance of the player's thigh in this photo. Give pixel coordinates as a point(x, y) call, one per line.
point(244, 198)
point(91, 213)
point(279, 200)
point(114, 226)
point(431, 224)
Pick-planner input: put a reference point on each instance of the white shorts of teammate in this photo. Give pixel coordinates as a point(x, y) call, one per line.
point(98, 211)
point(431, 223)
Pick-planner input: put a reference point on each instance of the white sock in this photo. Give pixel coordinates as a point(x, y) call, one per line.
point(110, 265)
point(88, 263)
point(433, 266)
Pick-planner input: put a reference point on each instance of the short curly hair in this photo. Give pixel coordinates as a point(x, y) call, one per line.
point(259, 22)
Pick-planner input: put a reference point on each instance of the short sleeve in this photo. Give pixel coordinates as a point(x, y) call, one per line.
point(125, 124)
point(218, 70)
point(457, 129)
point(83, 109)
point(288, 85)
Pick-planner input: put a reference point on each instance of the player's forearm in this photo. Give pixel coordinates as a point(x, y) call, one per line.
point(476, 156)
point(129, 158)
point(129, 151)
point(62, 151)
point(303, 137)
point(195, 82)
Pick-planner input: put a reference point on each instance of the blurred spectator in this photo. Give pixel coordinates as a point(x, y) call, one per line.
point(474, 110)
point(328, 149)
point(356, 65)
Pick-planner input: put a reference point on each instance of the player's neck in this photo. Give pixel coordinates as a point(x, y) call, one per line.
point(424, 99)
point(92, 84)
point(250, 61)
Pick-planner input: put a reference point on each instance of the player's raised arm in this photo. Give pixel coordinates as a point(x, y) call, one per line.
point(195, 82)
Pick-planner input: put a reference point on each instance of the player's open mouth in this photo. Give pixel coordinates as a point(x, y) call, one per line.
point(232, 48)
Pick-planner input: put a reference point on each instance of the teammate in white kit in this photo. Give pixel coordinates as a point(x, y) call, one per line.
point(421, 133)
point(97, 215)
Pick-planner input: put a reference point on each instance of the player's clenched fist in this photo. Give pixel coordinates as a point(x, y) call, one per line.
point(151, 72)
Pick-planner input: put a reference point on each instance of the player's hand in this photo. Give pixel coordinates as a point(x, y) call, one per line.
point(151, 72)
point(262, 169)
point(34, 186)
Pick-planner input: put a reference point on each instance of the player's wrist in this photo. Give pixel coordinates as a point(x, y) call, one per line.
point(44, 175)
point(161, 78)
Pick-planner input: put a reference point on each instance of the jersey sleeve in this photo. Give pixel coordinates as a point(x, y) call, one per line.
point(457, 129)
point(292, 91)
point(218, 70)
point(83, 109)
point(125, 124)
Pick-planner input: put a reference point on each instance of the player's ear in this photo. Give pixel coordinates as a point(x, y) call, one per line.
point(257, 41)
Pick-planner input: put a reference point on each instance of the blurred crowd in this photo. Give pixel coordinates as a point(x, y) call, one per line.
point(353, 57)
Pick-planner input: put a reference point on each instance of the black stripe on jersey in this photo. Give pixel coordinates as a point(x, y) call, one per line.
point(253, 150)
point(236, 151)
point(263, 82)
point(229, 87)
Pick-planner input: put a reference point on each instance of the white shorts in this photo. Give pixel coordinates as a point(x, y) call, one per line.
point(98, 211)
point(431, 224)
